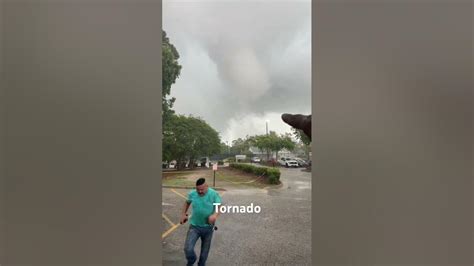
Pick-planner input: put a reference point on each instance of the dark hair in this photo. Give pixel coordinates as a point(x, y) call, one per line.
point(200, 181)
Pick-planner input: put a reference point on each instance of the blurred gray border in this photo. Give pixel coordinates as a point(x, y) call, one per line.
point(392, 144)
point(2, 146)
point(83, 132)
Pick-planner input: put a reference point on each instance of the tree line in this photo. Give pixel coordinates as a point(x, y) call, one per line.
point(185, 138)
point(269, 144)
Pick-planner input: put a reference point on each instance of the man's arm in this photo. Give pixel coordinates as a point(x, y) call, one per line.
point(212, 219)
point(184, 215)
point(216, 212)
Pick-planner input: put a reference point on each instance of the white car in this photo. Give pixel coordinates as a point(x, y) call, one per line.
point(282, 161)
point(291, 163)
point(288, 162)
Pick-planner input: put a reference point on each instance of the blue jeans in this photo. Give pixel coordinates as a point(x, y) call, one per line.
point(194, 233)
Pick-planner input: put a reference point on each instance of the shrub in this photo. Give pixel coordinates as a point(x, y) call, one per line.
point(272, 174)
point(271, 163)
point(220, 162)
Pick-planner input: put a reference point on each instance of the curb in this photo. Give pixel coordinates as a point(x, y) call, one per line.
point(192, 187)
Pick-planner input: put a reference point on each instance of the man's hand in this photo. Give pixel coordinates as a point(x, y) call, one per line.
point(184, 215)
point(299, 121)
point(184, 218)
point(212, 219)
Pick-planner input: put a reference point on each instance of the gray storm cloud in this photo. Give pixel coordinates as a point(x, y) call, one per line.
point(257, 58)
point(243, 70)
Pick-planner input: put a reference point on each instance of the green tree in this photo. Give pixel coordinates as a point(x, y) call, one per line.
point(240, 146)
point(304, 140)
point(273, 143)
point(224, 149)
point(189, 138)
point(300, 135)
point(171, 70)
point(278, 143)
point(284, 142)
point(262, 142)
point(176, 138)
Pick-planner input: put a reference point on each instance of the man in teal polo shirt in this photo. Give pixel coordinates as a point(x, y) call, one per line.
point(202, 220)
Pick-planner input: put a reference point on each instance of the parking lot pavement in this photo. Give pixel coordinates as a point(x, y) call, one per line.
point(279, 234)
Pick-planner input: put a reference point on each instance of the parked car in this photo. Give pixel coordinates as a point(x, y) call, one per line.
point(282, 162)
point(288, 162)
point(291, 163)
point(301, 162)
point(255, 160)
point(206, 162)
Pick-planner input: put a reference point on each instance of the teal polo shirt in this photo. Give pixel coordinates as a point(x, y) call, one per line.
point(202, 206)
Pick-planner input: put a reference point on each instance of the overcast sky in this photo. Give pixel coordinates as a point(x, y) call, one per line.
point(243, 62)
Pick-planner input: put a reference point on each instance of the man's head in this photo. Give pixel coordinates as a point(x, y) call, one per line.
point(201, 186)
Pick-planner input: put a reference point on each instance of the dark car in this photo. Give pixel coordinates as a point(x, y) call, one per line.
point(301, 162)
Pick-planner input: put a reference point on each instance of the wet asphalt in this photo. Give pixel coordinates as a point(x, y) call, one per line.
point(279, 235)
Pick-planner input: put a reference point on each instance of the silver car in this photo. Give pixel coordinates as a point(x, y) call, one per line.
point(255, 160)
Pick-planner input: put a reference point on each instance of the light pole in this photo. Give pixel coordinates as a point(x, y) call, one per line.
point(266, 129)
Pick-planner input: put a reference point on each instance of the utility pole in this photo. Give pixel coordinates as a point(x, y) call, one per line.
point(266, 127)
